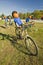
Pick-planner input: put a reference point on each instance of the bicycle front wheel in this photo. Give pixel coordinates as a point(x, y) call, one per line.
point(31, 46)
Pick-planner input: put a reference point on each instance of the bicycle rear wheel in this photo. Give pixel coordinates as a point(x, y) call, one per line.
point(31, 46)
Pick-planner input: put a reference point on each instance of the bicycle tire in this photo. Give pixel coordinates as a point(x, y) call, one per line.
point(30, 49)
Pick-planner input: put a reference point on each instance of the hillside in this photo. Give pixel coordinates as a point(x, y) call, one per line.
point(10, 53)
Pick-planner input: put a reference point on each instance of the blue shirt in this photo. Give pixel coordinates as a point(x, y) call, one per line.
point(18, 21)
point(27, 19)
point(6, 20)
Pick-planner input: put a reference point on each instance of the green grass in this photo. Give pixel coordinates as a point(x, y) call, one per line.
point(10, 52)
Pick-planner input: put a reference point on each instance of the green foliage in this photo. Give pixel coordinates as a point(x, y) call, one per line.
point(24, 15)
point(2, 15)
point(36, 14)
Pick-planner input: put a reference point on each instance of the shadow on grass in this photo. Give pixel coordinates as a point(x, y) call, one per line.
point(14, 42)
point(3, 27)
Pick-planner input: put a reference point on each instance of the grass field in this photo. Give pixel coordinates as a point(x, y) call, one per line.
point(10, 53)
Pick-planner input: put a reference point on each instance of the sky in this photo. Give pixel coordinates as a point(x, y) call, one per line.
point(7, 6)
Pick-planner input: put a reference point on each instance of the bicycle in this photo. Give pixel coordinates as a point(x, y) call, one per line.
point(28, 40)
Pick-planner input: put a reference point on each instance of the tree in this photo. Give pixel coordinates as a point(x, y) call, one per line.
point(37, 14)
point(21, 15)
point(2, 16)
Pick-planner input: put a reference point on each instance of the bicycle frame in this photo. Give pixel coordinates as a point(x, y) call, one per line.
point(23, 30)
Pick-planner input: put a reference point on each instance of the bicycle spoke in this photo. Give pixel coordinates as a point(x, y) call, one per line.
point(31, 46)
